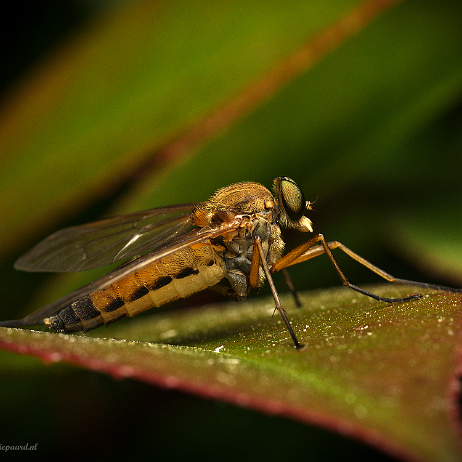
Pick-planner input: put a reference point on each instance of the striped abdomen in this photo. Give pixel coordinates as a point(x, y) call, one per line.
point(177, 276)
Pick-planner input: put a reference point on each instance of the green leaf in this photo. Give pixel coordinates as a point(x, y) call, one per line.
point(98, 111)
point(378, 372)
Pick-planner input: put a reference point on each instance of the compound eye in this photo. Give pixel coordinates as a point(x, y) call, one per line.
point(291, 197)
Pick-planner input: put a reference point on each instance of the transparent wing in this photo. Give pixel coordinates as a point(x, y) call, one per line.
point(176, 244)
point(103, 242)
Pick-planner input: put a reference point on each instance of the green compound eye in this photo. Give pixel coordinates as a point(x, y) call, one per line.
point(292, 197)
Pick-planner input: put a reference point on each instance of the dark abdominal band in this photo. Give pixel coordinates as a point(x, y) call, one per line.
point(71, 315)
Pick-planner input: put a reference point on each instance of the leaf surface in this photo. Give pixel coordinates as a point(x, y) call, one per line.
point(385, 374)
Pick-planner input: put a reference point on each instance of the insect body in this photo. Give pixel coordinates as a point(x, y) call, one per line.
point(177, 275)
point(231, 243)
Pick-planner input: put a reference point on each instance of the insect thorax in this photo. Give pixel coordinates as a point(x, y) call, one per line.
point(238, 254)
point(255, 205)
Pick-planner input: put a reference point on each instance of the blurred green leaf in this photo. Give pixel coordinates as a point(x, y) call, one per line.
point(93, 113)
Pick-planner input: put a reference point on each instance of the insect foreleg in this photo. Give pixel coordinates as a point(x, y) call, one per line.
point(388, 276)
point(310, 249)
point(257, 257)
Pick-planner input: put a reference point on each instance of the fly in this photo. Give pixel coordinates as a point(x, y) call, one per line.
point(232, 243)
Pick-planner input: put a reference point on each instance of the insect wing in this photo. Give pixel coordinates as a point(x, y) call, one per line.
point(179, 243)
point(106, 241)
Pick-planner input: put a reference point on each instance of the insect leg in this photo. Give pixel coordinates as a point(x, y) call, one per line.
point(288, 281)
point(310, 250)
point(388, 276)
point(257, 257)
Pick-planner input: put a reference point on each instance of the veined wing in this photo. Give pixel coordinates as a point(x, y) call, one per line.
point(188, 239)
point(106, 241)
